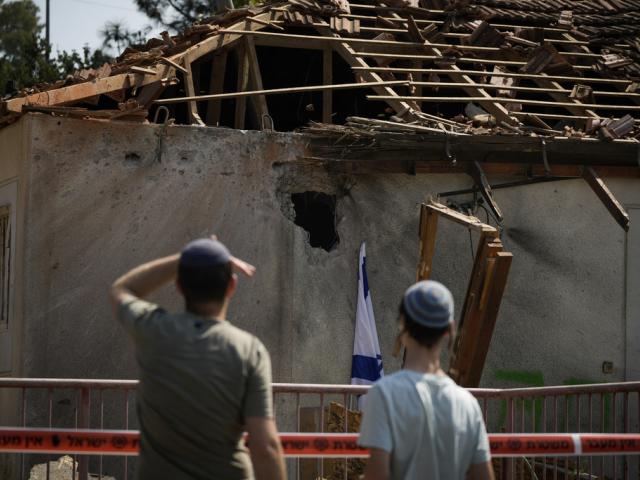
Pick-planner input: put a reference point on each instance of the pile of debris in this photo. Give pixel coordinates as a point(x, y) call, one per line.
point(335, 423)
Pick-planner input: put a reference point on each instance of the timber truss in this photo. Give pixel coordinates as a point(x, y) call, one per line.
point(450, 66)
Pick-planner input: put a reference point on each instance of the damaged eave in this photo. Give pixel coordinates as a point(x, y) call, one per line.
point(393, 151)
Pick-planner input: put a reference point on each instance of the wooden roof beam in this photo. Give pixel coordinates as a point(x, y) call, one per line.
point(607, 81)
point(365, 41)
point(490, 99)
point(614, 207)
point(280, 91)
point(83, 91)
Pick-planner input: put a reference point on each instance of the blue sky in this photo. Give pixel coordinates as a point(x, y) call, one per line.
point(77, 22)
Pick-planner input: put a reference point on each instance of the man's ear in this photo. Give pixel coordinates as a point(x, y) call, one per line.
point(231, 288)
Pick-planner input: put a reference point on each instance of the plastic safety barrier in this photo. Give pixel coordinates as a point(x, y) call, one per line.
point(344, 445)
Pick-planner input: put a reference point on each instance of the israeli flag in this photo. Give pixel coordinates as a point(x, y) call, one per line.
point(366, 365)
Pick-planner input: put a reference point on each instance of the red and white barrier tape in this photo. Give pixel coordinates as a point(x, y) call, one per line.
point(126, 442)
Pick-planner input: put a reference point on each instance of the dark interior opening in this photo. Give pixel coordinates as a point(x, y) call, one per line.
point(316, 213)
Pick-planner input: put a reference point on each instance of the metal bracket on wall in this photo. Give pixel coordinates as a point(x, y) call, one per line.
point(267, 123)
point(447, 149)
point(162, 131)
point(545, 160)
point(480, 179)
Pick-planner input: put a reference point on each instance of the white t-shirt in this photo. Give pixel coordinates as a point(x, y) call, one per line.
point(432, 428)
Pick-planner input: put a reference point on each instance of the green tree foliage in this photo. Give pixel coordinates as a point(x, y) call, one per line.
point(25, 57)
point(179, 14)
point(116, 35)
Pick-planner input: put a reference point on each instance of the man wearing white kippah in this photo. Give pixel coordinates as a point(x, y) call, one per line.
point(417, 423)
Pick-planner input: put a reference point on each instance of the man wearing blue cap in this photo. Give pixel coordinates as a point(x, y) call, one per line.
point(203, 382)
point(417, 422)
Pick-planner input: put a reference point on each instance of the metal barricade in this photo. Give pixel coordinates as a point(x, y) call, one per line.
point(109, 404)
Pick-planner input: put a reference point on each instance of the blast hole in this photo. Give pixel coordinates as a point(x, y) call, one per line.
point(316, 213)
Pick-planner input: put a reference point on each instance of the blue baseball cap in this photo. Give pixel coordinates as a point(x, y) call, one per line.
point(429, 303)
point(204, 252)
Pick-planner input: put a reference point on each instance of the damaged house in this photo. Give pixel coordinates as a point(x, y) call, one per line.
point(296, 131)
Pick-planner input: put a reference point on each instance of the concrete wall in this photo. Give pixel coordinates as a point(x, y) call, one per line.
point(103, 197)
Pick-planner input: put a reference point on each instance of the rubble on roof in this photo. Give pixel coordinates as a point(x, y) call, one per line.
point(488, 67)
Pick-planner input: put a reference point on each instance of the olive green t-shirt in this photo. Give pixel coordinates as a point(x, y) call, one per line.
point(200, 379)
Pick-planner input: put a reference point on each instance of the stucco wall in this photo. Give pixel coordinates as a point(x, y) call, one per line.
point(102, 199)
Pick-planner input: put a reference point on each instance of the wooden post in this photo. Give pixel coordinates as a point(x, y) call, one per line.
point(242, 85)
point(427, 233)
point(259, 102)
point(327, 79)
point(216, 85)
point(192, 107)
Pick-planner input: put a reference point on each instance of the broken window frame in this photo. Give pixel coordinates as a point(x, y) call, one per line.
point(484, 292)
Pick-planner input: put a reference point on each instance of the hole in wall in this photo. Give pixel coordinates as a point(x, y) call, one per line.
point(132, 159)
point(316, 213)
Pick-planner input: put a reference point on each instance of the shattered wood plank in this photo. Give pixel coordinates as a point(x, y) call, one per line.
point(414, 31)
point(472, 318)
point(259, 101)
point(241, 86)
point(327, 79)
point(427, 236)
point(265, 23)
point(216, 86)
point(149, 93)
point(468, 221)
point(141, 70)
point(173, 64)
point(614, 207)
point(490, 301)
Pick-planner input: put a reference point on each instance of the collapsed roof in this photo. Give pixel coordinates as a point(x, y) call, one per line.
point(554, 68)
